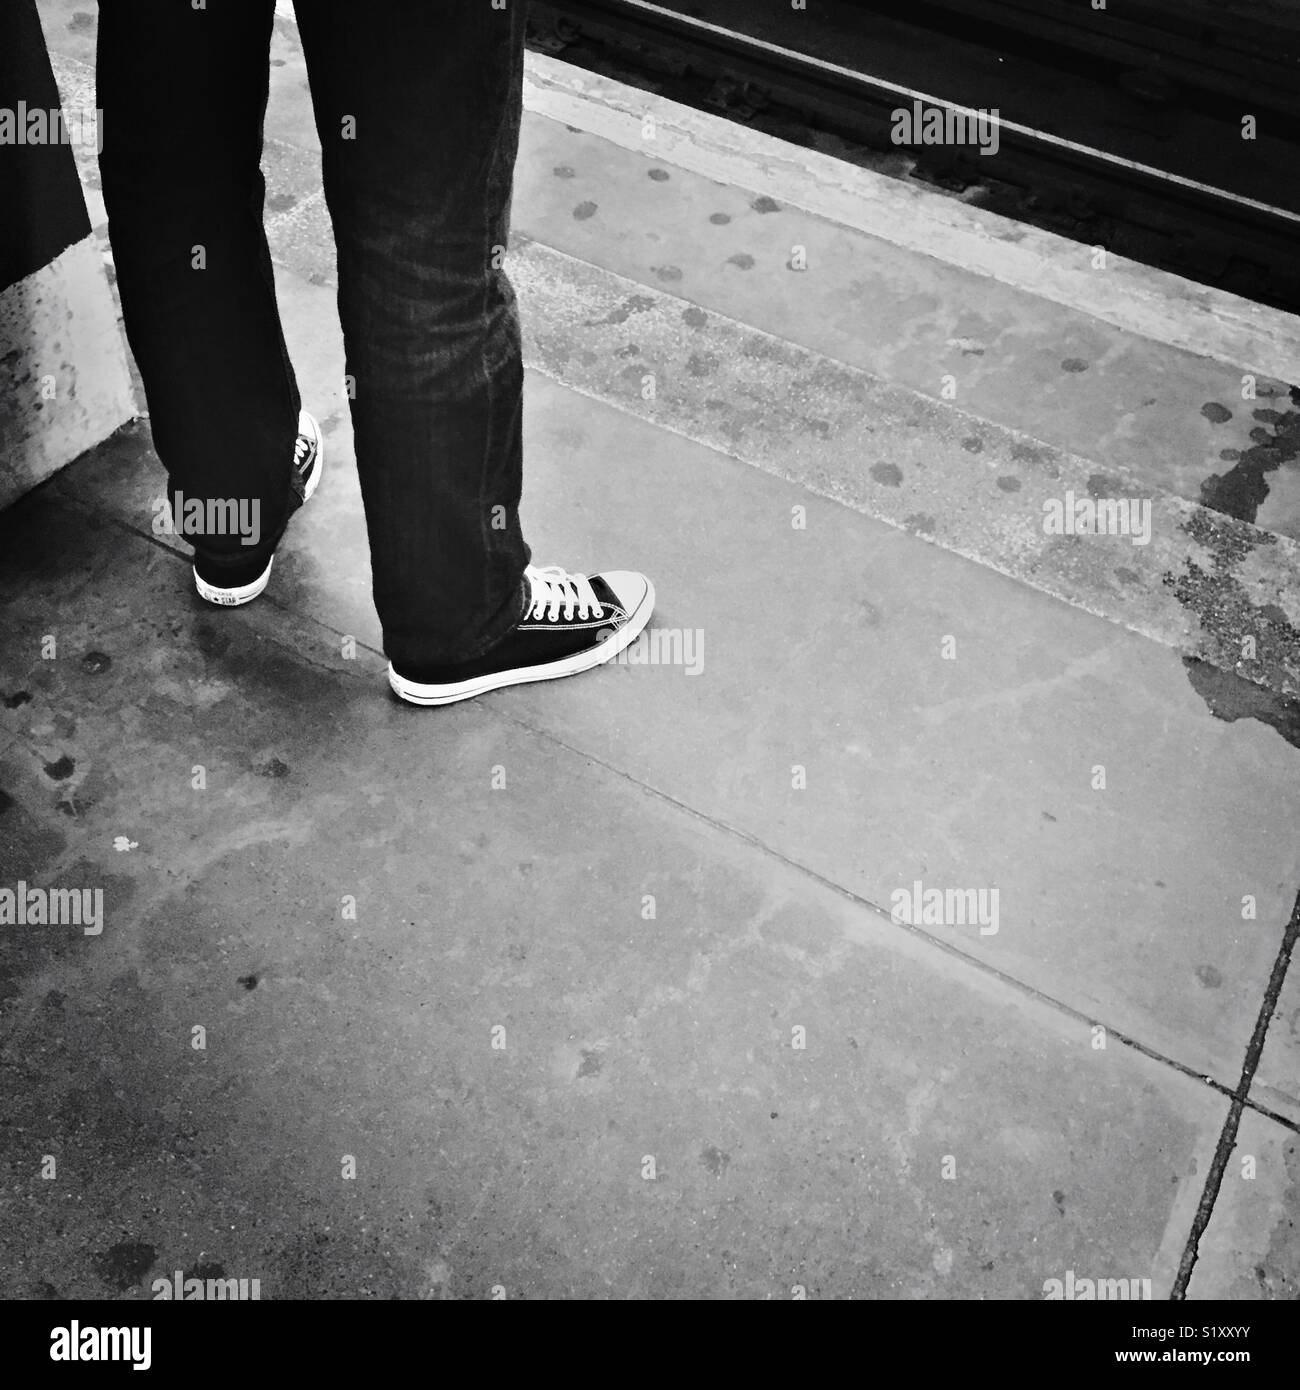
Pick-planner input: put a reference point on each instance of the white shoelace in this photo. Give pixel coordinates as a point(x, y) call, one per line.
point(554, 586)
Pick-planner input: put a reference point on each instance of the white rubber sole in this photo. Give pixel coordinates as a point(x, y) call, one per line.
point(245, 593)
point(232, 598)
point(416, 694)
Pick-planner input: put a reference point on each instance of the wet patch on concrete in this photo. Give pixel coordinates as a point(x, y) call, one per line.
point(634, 304)
point(668, 273)
point(719, 219)
point(742, 260)
point(1215, 413)
point(590, 1064)
point(887, 474)
point(659, 175)
point(584, 210)
point(61, 769)
point(715, 1160)
point(1009, 484)
point(1108, 485)
point(1074, 364)
point(124, 1265)
point(211, 641)
point(765, 204)
point(1231, 697)
point(694, 317)
point(1243, 489)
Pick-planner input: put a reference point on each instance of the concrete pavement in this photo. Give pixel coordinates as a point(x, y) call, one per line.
point(592, 989)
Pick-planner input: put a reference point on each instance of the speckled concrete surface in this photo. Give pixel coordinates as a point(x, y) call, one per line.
point(626, 1038)
point(1067, 379)
point(591, 989)
point(824, 646)
point(754, 1084)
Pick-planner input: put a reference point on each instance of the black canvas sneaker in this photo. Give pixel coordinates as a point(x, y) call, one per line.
point(231, 586)
point(573, 622)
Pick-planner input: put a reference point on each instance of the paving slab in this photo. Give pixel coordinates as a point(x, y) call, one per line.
point(750, 1087)
point(949, 727)
point(825, 648)
point(1176, 421)
point(1251, 1248)
point(828, 711)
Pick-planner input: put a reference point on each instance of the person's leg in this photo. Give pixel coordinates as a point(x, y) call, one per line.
point(418, 106)
point(183, 94)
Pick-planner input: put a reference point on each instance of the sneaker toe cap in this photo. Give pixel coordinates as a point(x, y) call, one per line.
point(633, 590)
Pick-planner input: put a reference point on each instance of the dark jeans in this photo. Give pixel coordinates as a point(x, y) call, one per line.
point(417, 104)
